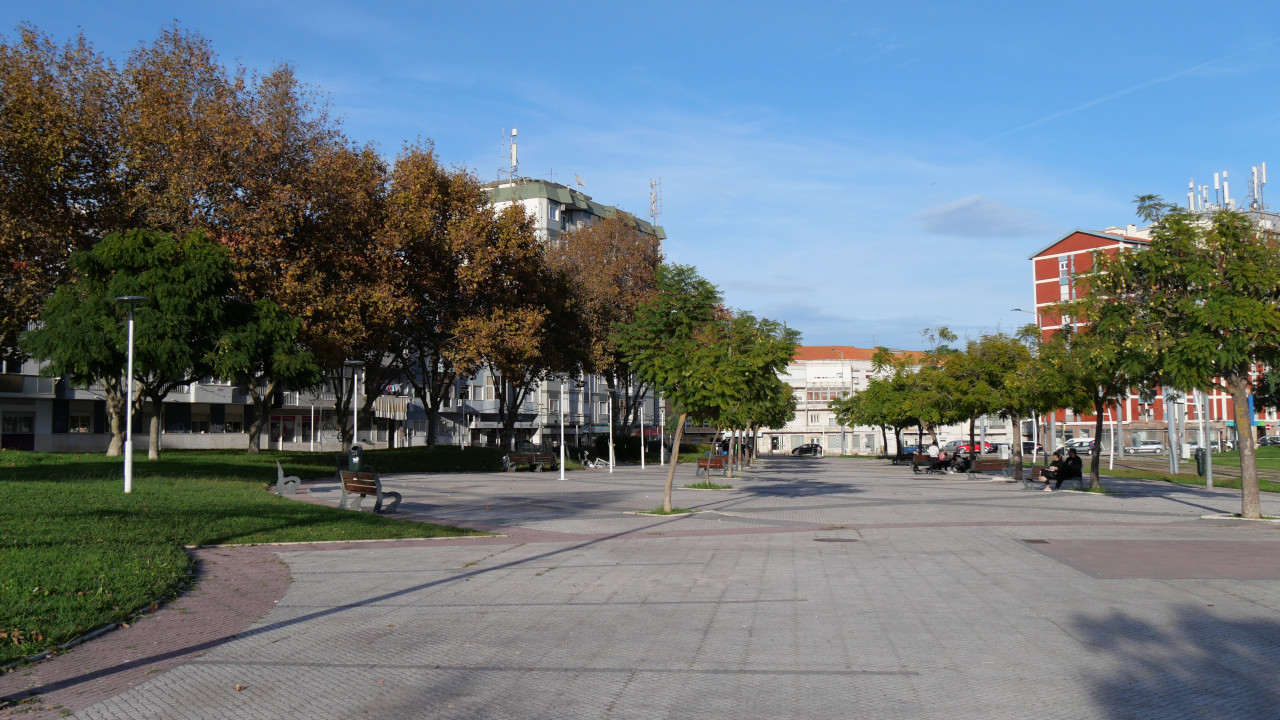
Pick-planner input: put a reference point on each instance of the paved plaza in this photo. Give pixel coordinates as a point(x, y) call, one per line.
point(815, 588)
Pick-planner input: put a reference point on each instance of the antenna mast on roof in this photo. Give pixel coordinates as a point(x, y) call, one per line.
point(509, 149)
point(655, 200)
point(1255, 187)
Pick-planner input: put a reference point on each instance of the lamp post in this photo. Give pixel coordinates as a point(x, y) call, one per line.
point(843, 441)
point(355, 366)
point(564, 381)
point(128, 408)
point(610, 405)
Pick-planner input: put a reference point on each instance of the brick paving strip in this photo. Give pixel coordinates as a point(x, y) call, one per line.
point(233, 588)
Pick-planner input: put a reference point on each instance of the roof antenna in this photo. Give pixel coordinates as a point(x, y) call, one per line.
point(509, 147)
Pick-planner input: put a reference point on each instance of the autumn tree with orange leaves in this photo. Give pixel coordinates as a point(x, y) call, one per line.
point(611, 267)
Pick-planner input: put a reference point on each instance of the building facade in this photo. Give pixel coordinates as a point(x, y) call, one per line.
point(1200, 418)
point(819, 374)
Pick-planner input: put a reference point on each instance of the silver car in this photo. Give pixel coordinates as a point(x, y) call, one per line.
point(1149, 446)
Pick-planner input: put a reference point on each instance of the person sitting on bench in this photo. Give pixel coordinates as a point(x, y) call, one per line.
point(959, 463)
point(1051, 473)
point(1072, 468)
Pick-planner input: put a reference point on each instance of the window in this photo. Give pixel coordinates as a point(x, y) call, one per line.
point(20, 424)
point(79, 423)
point(814, 418)
point(1064, 267)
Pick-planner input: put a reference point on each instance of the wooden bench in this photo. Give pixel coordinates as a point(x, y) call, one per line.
point(356, 485)
point(707, 464)
point(925, 463)
point(286, 484)
point(536, 461)
point(1033, 479)
point(983, 465)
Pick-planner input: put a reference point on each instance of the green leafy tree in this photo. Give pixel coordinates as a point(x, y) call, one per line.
point(1204, 301)
point(186, 282)
point(260, 351)
point(676, 343)
point(1086, 369)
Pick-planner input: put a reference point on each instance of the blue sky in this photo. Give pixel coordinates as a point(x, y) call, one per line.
point(859, 170)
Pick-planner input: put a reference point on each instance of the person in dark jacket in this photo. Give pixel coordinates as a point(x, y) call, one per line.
point(1052, 472)
point(1072, 467)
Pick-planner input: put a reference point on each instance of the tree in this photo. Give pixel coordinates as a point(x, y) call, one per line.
point(522, 329)
point(260, 351)
point(1088, 369)
point(1204, 301)
point(667, 345)
point(610, 268)
point(186, 282)
point(756, 351)
point(58, 150)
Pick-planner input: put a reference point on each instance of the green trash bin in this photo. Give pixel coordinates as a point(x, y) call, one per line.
point(1201, 461)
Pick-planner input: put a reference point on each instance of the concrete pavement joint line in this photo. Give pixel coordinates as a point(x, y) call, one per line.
point(489, 536)
point(533, 668)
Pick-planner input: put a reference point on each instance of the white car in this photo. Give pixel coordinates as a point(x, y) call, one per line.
point(1080, 444)
point(1148, 446)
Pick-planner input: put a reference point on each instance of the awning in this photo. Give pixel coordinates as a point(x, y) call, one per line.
point(391, 407)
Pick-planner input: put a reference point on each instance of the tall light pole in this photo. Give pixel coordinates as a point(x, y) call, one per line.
point(355, 366)
point(564, 381)
point(610, 405)
point(843, 440)
point(128, 408)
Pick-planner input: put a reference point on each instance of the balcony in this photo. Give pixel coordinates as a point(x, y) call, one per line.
point(27, 385)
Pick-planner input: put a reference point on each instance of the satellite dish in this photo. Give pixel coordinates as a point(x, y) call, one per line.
point(580, 183)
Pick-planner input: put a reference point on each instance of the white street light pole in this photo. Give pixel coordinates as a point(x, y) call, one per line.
point(642, 448)
point(128, 408)
point(355, 395)
point(610, 406)
point(563, 381)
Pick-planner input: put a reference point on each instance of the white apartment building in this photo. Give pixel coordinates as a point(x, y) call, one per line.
point(819, 374)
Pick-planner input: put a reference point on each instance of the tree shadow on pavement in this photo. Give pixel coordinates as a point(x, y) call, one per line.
point(1195, 665)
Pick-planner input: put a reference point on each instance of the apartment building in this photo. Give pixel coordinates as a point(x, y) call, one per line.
point(819, 374)
point(1139, 417)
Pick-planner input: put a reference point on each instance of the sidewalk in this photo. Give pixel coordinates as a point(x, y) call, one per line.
point(816, 588)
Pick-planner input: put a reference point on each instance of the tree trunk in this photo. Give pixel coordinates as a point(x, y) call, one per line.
point(972, 453)
point(884, 439)
point(1016, 419)
point(1250, 501)
point(675, 457)
point(153, 434)
point(261, 411)
point(1095, 457)
point(115, 420)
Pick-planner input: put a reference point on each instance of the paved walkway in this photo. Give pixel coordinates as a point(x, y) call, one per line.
point(816, 588)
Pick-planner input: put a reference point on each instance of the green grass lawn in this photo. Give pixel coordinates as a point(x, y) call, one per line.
point(77, 553)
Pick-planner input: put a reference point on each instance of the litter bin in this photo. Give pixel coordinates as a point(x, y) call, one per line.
point(354, 458)
point(1201, 461)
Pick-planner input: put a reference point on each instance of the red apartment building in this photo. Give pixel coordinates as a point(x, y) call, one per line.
point(1054, 271)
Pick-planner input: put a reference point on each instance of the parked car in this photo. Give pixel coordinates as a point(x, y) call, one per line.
point(1146, 446)
point(962, 446)
point(1029, 447)
point(1269, 440)
point(1080, 444)
point(808, 449)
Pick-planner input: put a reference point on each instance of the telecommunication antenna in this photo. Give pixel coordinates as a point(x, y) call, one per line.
point(509, 150)
point(655, 200)
point(1256, 182)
